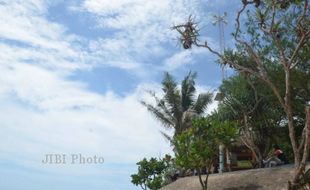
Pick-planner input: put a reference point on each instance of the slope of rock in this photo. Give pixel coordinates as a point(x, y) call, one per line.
point(267, 178)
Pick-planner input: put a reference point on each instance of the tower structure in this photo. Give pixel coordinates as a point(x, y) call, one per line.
point(220, 21)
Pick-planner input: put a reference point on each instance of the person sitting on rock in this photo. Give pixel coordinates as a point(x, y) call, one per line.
point(277, 159)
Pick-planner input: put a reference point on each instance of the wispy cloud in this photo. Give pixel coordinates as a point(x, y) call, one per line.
point(178, 59)
point(43, 111)
point(27, 36)
point(183, 58)
point(141, 30)
point(119, 129)
point(55, 113)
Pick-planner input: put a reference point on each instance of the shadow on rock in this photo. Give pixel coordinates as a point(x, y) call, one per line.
point(247, 187)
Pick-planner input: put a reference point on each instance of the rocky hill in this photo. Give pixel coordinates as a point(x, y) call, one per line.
point(267, 178)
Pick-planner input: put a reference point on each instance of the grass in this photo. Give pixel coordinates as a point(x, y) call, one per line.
point(244, 164)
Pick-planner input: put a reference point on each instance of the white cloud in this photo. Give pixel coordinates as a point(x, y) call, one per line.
point(178, 59)
point(138, 13)
point(54, 115)
point(24, 24)
point(44, 89)
point(27, 35)
point(141, 30)
point(182, 58)
point(120, 129)
point(41, 111)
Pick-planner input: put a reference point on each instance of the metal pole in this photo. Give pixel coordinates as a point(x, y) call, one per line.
point(221, 159)
point(228, 159)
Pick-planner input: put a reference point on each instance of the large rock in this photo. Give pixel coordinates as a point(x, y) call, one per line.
point(268, 178)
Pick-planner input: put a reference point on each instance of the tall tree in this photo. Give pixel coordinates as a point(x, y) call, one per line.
point(277, 32)
point(249, 103)
point(178, 106)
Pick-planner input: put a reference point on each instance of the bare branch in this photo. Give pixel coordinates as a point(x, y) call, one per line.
point(299, 24)
point(275, 36)
point(301, 42)
point(304, 35)
point(209, 48)
point(273, 16)
point(249, 49)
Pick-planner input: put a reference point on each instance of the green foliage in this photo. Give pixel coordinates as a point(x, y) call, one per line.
point(150, 174)
point(274, 37)
point(197, 147)
point(226, 131)
point(170, 174)
point(272, 46)
point(248, 102)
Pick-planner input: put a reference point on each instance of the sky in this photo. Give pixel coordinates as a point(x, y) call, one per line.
point(73, 73)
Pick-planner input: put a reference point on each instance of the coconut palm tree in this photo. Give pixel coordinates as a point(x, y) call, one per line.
point(177, 107)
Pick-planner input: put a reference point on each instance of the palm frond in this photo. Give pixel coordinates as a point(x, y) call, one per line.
point(167, 137)
point(168, 82)
point(161, 106)
point(172, 95)
point(202, 102)
point(188, 90)
point(166, 121)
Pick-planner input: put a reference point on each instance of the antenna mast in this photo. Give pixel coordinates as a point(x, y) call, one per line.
point(220, 21)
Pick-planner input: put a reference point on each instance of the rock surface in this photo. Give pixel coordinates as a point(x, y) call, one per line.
point(267, 178)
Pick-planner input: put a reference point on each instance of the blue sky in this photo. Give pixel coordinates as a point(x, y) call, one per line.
point(72, 75)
